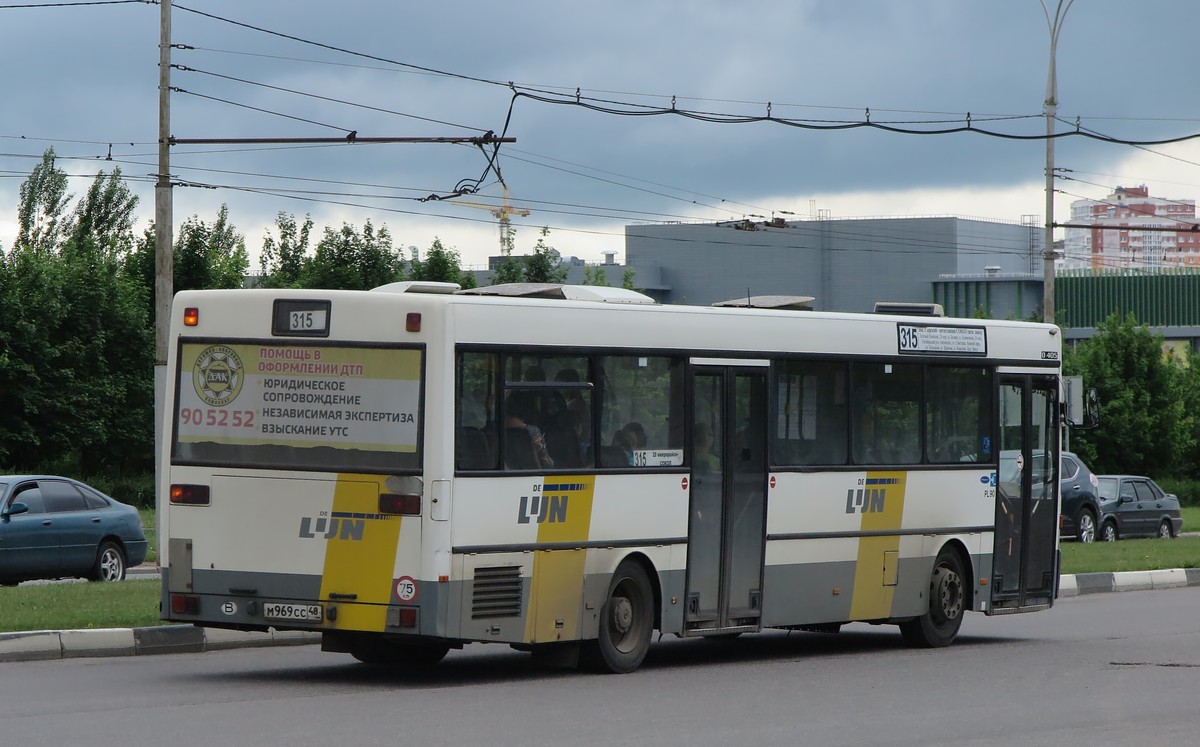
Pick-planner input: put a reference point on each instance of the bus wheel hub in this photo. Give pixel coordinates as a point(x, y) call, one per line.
point(622, 614)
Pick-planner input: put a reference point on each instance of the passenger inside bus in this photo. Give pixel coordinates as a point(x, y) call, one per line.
point(703, 460)
point(620, 453)
point(525, 444)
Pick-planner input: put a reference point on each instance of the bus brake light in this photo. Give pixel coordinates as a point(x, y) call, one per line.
point(412, 322)
point(191, 316)
point(185, 604)
point(190, 495)
point(403, 504)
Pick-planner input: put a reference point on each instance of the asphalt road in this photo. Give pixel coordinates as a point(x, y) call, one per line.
point(1097, 669)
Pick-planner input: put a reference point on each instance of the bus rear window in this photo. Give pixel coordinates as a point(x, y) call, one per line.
point(298, 406)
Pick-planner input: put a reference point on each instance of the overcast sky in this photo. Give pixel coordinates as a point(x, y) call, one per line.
point(79, 78)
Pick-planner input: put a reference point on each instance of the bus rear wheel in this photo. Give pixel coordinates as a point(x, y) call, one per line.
point(626, 622)
point(947, 602)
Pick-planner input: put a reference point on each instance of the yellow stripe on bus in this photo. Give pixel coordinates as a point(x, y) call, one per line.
point(360, 556)
point(882, 508)
point(556, 589)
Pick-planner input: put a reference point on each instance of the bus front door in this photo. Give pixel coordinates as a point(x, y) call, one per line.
point(1025, 555)
point(728, 499)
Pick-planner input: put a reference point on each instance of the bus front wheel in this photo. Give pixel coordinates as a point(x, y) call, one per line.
point(626, 622)
point(947, 602)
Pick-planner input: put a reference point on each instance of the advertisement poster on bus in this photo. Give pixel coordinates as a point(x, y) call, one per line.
point(330, 402)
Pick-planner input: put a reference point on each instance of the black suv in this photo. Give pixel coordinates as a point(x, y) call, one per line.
point(1080, 507)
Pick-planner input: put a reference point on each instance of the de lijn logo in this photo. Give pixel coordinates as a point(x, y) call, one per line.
point(218, 375)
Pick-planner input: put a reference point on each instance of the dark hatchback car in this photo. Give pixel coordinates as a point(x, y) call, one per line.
point(1134, 506)
point(56, 527)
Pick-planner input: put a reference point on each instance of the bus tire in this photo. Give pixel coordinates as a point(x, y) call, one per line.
point(626, 622)
point(412, 656)
point(947, 604)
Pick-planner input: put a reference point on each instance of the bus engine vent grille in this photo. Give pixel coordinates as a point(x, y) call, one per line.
point(496, 592)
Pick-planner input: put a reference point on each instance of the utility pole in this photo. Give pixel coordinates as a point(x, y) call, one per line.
point(164, 272)
point(1050, 109)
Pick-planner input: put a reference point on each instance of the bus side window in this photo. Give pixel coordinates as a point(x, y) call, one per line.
point(810, 413)
point(641, 411)
point(477, 441)
point(886, 413)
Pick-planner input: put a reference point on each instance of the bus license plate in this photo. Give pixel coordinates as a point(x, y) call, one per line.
point(304, 612)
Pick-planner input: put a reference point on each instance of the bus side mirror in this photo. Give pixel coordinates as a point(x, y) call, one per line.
point(1084, 413)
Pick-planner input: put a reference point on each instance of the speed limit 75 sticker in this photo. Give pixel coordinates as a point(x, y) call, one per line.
point(406, 588)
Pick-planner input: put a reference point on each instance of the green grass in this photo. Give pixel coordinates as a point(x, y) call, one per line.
point(1131, 555)
point(128, 604)
point(1191, 518)
point(150, 529)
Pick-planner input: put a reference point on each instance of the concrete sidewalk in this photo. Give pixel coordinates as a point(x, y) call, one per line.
point(177, 639)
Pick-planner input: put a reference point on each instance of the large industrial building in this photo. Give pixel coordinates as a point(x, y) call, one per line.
point(844, 264)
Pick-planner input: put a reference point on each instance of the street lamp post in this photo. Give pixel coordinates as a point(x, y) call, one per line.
point(1050, 108)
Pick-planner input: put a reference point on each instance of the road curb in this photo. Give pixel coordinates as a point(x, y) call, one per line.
point(1096, 583)
point(40, 645)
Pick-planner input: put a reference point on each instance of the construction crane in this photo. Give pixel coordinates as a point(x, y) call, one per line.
point(501, 213)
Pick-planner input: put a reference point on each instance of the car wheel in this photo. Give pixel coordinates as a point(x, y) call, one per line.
point(1108, 532)
point(947, 603)
point(1164, 530)
point(1086, 524)
point(110, 563)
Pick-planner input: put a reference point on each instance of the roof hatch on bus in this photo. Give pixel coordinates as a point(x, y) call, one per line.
point(909, 309)
point(780, 303)
point(419, 286)
point(599, 293)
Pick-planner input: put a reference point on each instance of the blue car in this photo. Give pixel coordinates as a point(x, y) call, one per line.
point(56, 527)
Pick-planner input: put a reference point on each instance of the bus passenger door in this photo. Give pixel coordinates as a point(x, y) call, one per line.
point(1025, 555)
point(727, 498)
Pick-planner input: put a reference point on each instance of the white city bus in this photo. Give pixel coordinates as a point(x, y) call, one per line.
point(566, 469)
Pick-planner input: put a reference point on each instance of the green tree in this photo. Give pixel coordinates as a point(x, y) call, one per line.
point(209, 256)
point(75, 361)
point(627, 278)
point(348, 259)
point(104, 216)
point(544, 265)
point(594, 275)
point(42, 206)
point(282, 261)
point(509, 271)
point(1144, 425)
point(441, 265)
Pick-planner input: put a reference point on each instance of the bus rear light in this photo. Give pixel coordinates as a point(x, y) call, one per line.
point(408, 617)
point(412, 322)
point(191, 316)
point(185, 604)
point(190, 495)
point(403, 504)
